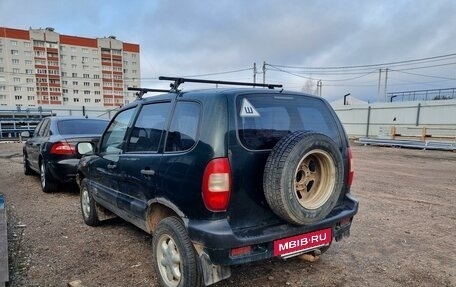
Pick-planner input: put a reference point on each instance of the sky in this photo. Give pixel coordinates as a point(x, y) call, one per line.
point(299, 40)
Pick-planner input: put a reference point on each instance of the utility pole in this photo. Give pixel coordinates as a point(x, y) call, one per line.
point(264, 72)
point(386, 82)
point(319, 86)
point(378, 87)
point(254, 73)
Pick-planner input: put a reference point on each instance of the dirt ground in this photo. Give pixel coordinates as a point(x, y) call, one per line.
point(403, 235)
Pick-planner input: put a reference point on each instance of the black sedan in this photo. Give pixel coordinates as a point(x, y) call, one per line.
point(50, 151)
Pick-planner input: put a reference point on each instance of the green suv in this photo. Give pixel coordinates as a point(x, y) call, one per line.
point(221, 177)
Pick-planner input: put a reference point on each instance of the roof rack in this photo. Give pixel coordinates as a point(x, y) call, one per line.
point(141, 91)
point(177, 81)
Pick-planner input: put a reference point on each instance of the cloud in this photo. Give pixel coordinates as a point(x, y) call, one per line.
point(198, 37)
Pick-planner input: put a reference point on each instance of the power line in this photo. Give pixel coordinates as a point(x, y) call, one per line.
point(378, 65)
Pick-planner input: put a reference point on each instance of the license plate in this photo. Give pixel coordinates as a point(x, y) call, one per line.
point(303, 242)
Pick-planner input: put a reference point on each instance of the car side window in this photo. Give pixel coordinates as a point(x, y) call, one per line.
point(113, 139)
point(45, 129)
point(184, 127)
point(37, 129)
point(149, 128)
point(44, 126)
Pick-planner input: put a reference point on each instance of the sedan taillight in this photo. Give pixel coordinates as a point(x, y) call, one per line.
point(63, 148)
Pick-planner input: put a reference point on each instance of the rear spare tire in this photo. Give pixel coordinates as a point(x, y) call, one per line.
point(303, 177)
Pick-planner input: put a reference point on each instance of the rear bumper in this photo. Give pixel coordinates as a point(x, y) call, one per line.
point(64, 170)
point(217, 238)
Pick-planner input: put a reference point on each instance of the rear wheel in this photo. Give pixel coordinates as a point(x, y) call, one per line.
point(47, 183)
point(174, 257)
point(27, 169)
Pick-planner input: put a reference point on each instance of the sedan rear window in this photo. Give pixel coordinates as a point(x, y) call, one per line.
point(81, 126)
point(264, 119)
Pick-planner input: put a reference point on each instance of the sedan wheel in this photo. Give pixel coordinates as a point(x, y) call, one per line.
point(46, 183)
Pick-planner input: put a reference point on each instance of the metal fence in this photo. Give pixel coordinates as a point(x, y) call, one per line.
point(13, 122)
point(423, 95)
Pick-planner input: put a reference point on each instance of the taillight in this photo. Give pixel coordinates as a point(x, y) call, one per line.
point(351, 172)
point(63, 148)
point(217, 185)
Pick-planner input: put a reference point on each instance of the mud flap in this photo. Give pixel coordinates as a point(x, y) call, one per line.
point(103, 213)
point(213, 273)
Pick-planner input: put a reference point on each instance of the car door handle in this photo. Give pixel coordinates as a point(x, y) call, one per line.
point(112, 166)
point(148, 172)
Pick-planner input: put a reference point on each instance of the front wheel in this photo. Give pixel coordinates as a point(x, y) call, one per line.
point(88, 206)
point(174, 258)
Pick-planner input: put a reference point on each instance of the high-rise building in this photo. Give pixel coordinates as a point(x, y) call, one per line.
point(40, 67)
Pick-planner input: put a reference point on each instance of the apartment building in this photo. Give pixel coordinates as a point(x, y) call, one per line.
point(40, 67)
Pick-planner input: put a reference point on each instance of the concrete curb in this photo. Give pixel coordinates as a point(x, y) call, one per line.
point(4, 276)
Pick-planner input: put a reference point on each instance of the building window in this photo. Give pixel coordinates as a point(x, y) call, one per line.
point(26, 44)
point(86, 92)
point(29, 80)
point(16, 80)
point(75, 92)
point(85, 60)
point(18, 97)
point(75, 83)
point(86, 84)
point(73, 49)
point(74, 66)
point(16, 70)
point(17, 89)
point(97, 100)
point(73, 58)
point(87, 100)
point(29, 71)
point(28, 62)
point(74, 75)
point(65, 83)
point(13, 43)
point(85, 50)
point(2, 69)
point(95, 76)
point(65, 99)
point(96, 84)
point(76, 100)
point(86, 76)
point(31, 98)
point(30, 89)
point(64, 74)
point(15, 61)
point(96, 60)
point(38, 43)
point(14, 52)
point(65, 91)
point(97, 93)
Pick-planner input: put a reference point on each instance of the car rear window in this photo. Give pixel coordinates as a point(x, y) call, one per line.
point(264, 119)
point(81, 126)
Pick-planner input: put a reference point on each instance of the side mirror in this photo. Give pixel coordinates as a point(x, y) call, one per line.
point(25, 134)
point(85, 148)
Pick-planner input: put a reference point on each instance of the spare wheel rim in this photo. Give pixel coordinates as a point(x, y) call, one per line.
point(314, 179)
